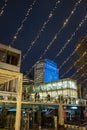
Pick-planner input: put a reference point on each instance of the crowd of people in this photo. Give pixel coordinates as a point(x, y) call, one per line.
point(49, 98)
point(37, 97)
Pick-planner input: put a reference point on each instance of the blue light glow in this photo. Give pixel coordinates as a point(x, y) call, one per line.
point(50, 71)
point(74, 108)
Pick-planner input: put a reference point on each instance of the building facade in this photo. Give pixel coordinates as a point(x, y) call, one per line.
point(64, 87)
point(45, 71)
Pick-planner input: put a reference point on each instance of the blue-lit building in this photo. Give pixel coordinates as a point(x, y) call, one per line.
point(45, 71)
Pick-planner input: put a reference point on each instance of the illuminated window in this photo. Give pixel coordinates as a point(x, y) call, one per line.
point(65, 84)
point(59, 85)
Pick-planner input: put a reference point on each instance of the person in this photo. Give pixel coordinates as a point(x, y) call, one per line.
point(38, 96)
point(35, 97)
point(48, 97)
point(59, 98)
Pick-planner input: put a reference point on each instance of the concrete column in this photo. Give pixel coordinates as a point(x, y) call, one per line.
point(55, 122)
point(39, 119)
point(18, 108)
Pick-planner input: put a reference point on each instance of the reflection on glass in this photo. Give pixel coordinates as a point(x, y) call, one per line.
point(54, 86)
point(59, 85)
point(65, 84)
point(48, 87)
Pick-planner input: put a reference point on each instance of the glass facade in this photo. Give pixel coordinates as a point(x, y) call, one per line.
point(45, 71)
point(65, 87)
point(50, 71)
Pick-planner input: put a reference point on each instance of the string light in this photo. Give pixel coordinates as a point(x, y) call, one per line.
point(68, 58)
point(55, 37)
point(79, 26)
point(63, 26)
point(68, 41)
point(42, 29)
point(3, 7)
point(81, 76)
point(78, 70)
point(74, 64)
point(83, 81)
point(22, 22)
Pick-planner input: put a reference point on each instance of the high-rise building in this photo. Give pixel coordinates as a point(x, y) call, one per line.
point(45, 71)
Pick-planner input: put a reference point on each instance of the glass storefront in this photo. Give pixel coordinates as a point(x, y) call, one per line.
point(64, 87)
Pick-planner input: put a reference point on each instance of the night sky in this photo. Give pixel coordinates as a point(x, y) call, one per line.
point(11, 19)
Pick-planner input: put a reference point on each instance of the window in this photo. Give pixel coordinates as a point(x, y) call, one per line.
point(12, 59)
point(2, 56)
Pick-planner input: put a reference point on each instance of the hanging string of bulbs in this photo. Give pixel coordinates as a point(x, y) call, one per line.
point(82, 75)
point(63, 26)
point(79, 26)
point(3, 7)
point(78, 70)
point(84, 81)
point(75, 50)
point(84, 53)
point(41, 30)
point(22, 22)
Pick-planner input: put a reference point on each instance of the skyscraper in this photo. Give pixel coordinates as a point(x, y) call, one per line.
point(45, 71)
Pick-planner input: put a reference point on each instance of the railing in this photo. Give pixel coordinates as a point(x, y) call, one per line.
point(74, 127)
point(67, 100)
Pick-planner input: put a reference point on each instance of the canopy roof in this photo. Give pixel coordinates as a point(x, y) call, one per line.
point(6, 76)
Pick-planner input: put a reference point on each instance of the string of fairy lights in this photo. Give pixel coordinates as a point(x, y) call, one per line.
point(3, 7)
point(84, 53)
point(82, 75)
point(22, 22)
point(41, 30)
point(68, 41)
point(68, 58)
point(51, 14)
point(74, 51)
point(79, 26)
point(84, 81)
point(78, 70)
point(63, 26)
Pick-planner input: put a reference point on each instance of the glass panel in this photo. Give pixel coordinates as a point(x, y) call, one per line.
point(48, 87)
point(54, 94)
point(65, 84)
point(54, 86)
point(34, 89)
point(42, 87)
point(72, 84)
point(65, 92)
point(59, 85)
point(60, 92)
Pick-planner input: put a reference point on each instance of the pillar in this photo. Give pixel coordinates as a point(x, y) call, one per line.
point(18, 107)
